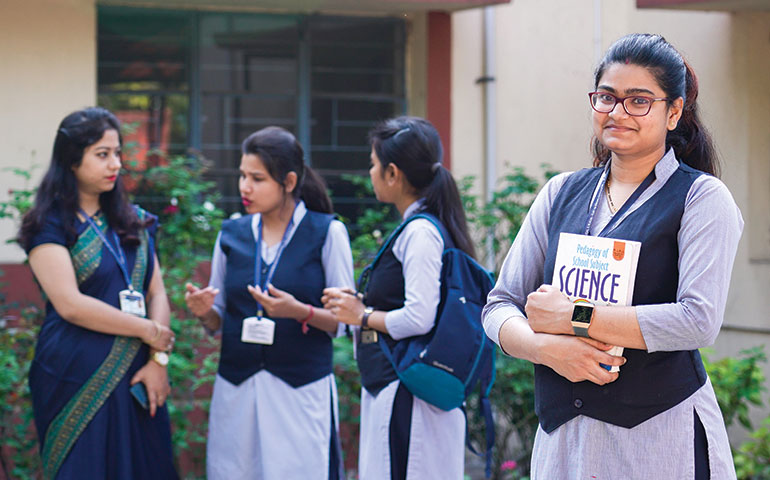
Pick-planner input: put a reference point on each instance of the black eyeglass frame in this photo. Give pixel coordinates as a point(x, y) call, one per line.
point(622, 101)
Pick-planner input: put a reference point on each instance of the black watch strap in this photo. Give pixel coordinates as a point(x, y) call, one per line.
point(365, 318)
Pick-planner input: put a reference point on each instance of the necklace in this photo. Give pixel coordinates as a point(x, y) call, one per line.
point(610, 203)
point(96, 217)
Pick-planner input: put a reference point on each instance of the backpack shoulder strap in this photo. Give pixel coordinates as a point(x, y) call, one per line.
point(436, 223)
point(364, 277)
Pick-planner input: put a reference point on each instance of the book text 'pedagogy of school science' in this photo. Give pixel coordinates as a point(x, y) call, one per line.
point(599, 270)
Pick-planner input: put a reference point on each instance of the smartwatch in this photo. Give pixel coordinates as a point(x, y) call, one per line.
point(161, 358)
point(581, 319)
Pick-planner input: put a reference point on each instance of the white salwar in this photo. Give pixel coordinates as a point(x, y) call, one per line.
point(436, 437)
point(266, 429)
point(263, 428)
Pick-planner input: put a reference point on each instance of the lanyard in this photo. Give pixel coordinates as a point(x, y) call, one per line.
point(118, 254)
point(615, 218)
point(272, 267)
point(595, 202)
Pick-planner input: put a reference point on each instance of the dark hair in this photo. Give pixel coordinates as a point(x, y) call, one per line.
point(59, 189)
point(414, 146)
point(281, 153)
point(690, 140)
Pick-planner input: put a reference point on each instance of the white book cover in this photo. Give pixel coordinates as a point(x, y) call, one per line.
point(599, 270)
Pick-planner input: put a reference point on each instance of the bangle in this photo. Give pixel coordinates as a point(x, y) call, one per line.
point(305, 328)
point(156, 335)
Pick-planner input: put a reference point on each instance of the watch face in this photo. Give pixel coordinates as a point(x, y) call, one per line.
point(582, 314)
point(161, 358)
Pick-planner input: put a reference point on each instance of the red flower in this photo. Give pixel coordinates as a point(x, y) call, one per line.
point(171, 209)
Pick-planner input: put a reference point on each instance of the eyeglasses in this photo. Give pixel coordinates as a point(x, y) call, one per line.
point(635, 105)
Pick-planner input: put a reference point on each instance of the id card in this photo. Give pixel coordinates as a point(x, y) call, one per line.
point(368, 336)
point(258, 330)
point(132, 302)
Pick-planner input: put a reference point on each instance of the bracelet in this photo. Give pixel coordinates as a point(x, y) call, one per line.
point(156, 335)
point(305, 328)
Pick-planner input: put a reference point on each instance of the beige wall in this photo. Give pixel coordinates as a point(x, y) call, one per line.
point(546, 52)
point(48, 49)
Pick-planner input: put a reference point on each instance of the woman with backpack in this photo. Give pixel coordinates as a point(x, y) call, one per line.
point(404, 437)
point(654, 181)
point(274, 406)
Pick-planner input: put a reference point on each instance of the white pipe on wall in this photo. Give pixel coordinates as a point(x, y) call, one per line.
point(490, 123)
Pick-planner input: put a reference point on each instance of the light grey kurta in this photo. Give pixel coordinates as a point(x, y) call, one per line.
point(263, 428)
point(661, 447)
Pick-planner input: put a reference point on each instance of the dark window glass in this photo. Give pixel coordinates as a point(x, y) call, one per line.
point(209, 79)
point(143, 78)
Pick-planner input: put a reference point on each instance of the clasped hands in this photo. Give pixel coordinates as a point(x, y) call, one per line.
point(158, 336)
point(549, 311)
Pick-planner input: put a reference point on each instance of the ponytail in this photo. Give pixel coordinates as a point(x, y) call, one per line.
point(690, 140)
point(414, 146)
point(442, 199)
point(313, 192)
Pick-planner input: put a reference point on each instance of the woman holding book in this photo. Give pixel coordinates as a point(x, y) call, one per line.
point(107, 315)
point(274, 406)
point(402, 436)
point(654, 181)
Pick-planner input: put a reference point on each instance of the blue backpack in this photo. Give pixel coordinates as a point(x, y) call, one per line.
point(445, 365)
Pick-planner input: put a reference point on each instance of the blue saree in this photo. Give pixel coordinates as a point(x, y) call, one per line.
point(88, 423)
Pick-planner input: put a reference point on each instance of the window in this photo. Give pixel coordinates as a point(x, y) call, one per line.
point(208, 80)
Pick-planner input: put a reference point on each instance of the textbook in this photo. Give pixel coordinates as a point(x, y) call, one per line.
point(598, 270)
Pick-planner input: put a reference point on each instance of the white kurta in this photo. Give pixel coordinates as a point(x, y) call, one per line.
point(436, 437)
point(264, 428)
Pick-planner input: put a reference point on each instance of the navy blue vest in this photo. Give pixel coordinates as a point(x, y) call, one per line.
point(294, 357)
point(384, 292)
point(649, 383)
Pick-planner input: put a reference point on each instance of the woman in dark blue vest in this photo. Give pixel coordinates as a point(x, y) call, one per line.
point(654, 181)
point(403, 437)
point(107, 314)
point(274, 407)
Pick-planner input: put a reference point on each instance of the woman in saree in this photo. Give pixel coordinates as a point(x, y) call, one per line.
point(107, 314)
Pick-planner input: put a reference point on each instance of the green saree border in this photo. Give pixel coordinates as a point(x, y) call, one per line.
point(73, 419)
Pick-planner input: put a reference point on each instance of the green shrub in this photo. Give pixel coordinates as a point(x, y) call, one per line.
point(752, 460)
point(19, 456)
point(738, 382)
point(19, 325)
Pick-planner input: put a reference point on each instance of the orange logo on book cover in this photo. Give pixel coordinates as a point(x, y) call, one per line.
point(619, 250)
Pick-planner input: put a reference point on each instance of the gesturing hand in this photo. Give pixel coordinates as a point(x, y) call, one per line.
point(344, 304)
point(278, 303)
point(199, 300)
point(549, 311)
